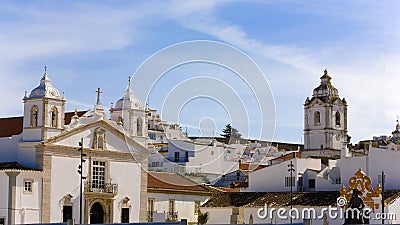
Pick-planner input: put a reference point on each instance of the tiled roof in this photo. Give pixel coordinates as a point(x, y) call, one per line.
point(13, 125)
point(251, 167)
point(282, 199)
point(226, 189)
point(287, 157)
point(10, 126)
point(13, 166)
point(163, 181)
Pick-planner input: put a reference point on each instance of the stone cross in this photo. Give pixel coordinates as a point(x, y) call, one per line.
point(98, 96)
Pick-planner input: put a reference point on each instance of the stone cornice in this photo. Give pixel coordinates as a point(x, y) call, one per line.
point(72, 152)
point(104, 124)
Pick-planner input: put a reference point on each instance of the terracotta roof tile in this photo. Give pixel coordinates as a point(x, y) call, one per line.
point(13, 166)
point(10, 126)
point(281, 199)
point(250, 167)
point(13, 125)
point(287, 156)
point(172, 181)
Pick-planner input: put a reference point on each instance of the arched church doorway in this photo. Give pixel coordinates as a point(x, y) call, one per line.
point(96, 213)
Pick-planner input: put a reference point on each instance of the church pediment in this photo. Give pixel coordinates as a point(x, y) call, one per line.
point(98, 135)
point(316, 101)
point(338, 102)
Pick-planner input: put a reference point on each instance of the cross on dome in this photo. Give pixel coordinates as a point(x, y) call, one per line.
point(98, 96)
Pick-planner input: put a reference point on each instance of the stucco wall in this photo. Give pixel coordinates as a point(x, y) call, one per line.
point(184, 204)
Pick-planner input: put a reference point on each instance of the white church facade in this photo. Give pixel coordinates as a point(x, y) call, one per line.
point(40, 183)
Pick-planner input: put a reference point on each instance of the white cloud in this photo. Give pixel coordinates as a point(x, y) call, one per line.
point(371, 94)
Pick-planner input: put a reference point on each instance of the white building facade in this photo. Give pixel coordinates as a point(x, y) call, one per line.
point(48, 190)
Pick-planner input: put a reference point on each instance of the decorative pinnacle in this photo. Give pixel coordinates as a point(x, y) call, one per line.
point(129, 83)
point(326, 71)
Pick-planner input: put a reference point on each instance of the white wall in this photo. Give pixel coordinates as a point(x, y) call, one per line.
point(9, 148)
point(184, 204)
point(210, 159)
point(222, 216)
point(65, 180)
point(28, 204)
point(384, 160)
point(218, 215)
point(3, 195)
point(272, 178)
point(394, 208)
point(127, 176)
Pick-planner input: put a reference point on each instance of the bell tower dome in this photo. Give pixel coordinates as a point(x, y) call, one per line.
point(43, 111)
point(130, 111)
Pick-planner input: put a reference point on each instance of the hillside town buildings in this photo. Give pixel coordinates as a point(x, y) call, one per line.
point(138, 168)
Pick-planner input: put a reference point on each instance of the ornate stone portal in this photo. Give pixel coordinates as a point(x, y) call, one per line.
point(362, 182)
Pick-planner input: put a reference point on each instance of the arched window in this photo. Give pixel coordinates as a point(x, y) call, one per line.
point(99, 139)
point(317, 118)
point(139, 127)
point(100, 142)
point(337, 119)
point(34, 116)
point(54, 117)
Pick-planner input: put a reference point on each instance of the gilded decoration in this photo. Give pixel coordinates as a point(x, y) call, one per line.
point(362, 182)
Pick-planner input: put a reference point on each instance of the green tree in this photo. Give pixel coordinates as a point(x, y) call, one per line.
point(231, 132)
point(202, 218)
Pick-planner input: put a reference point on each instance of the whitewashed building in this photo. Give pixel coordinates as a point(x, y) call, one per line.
point(172, 197)
point(274, 208)
point(193, 157)
point(43, 185)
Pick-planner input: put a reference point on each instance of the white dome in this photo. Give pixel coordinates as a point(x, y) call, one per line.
point(129, 101)
point(45, 89)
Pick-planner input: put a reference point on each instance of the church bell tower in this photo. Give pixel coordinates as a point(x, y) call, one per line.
point(43, 111)
point(325, 118)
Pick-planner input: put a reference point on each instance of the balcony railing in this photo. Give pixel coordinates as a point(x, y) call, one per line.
point(178, 159)
point(101, 188)
point(172, 216)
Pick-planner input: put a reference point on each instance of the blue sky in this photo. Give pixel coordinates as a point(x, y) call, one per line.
point(87, 44)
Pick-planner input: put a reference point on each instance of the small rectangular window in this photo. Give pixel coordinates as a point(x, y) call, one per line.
point(150, 209)
point(2, 221)
point(311, 183)
point(67, 213)
point(125, 215)
point(28, 186)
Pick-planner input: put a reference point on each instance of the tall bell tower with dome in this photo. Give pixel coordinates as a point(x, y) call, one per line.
point(43, 111)
point(325, 118)
point(129, 111)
